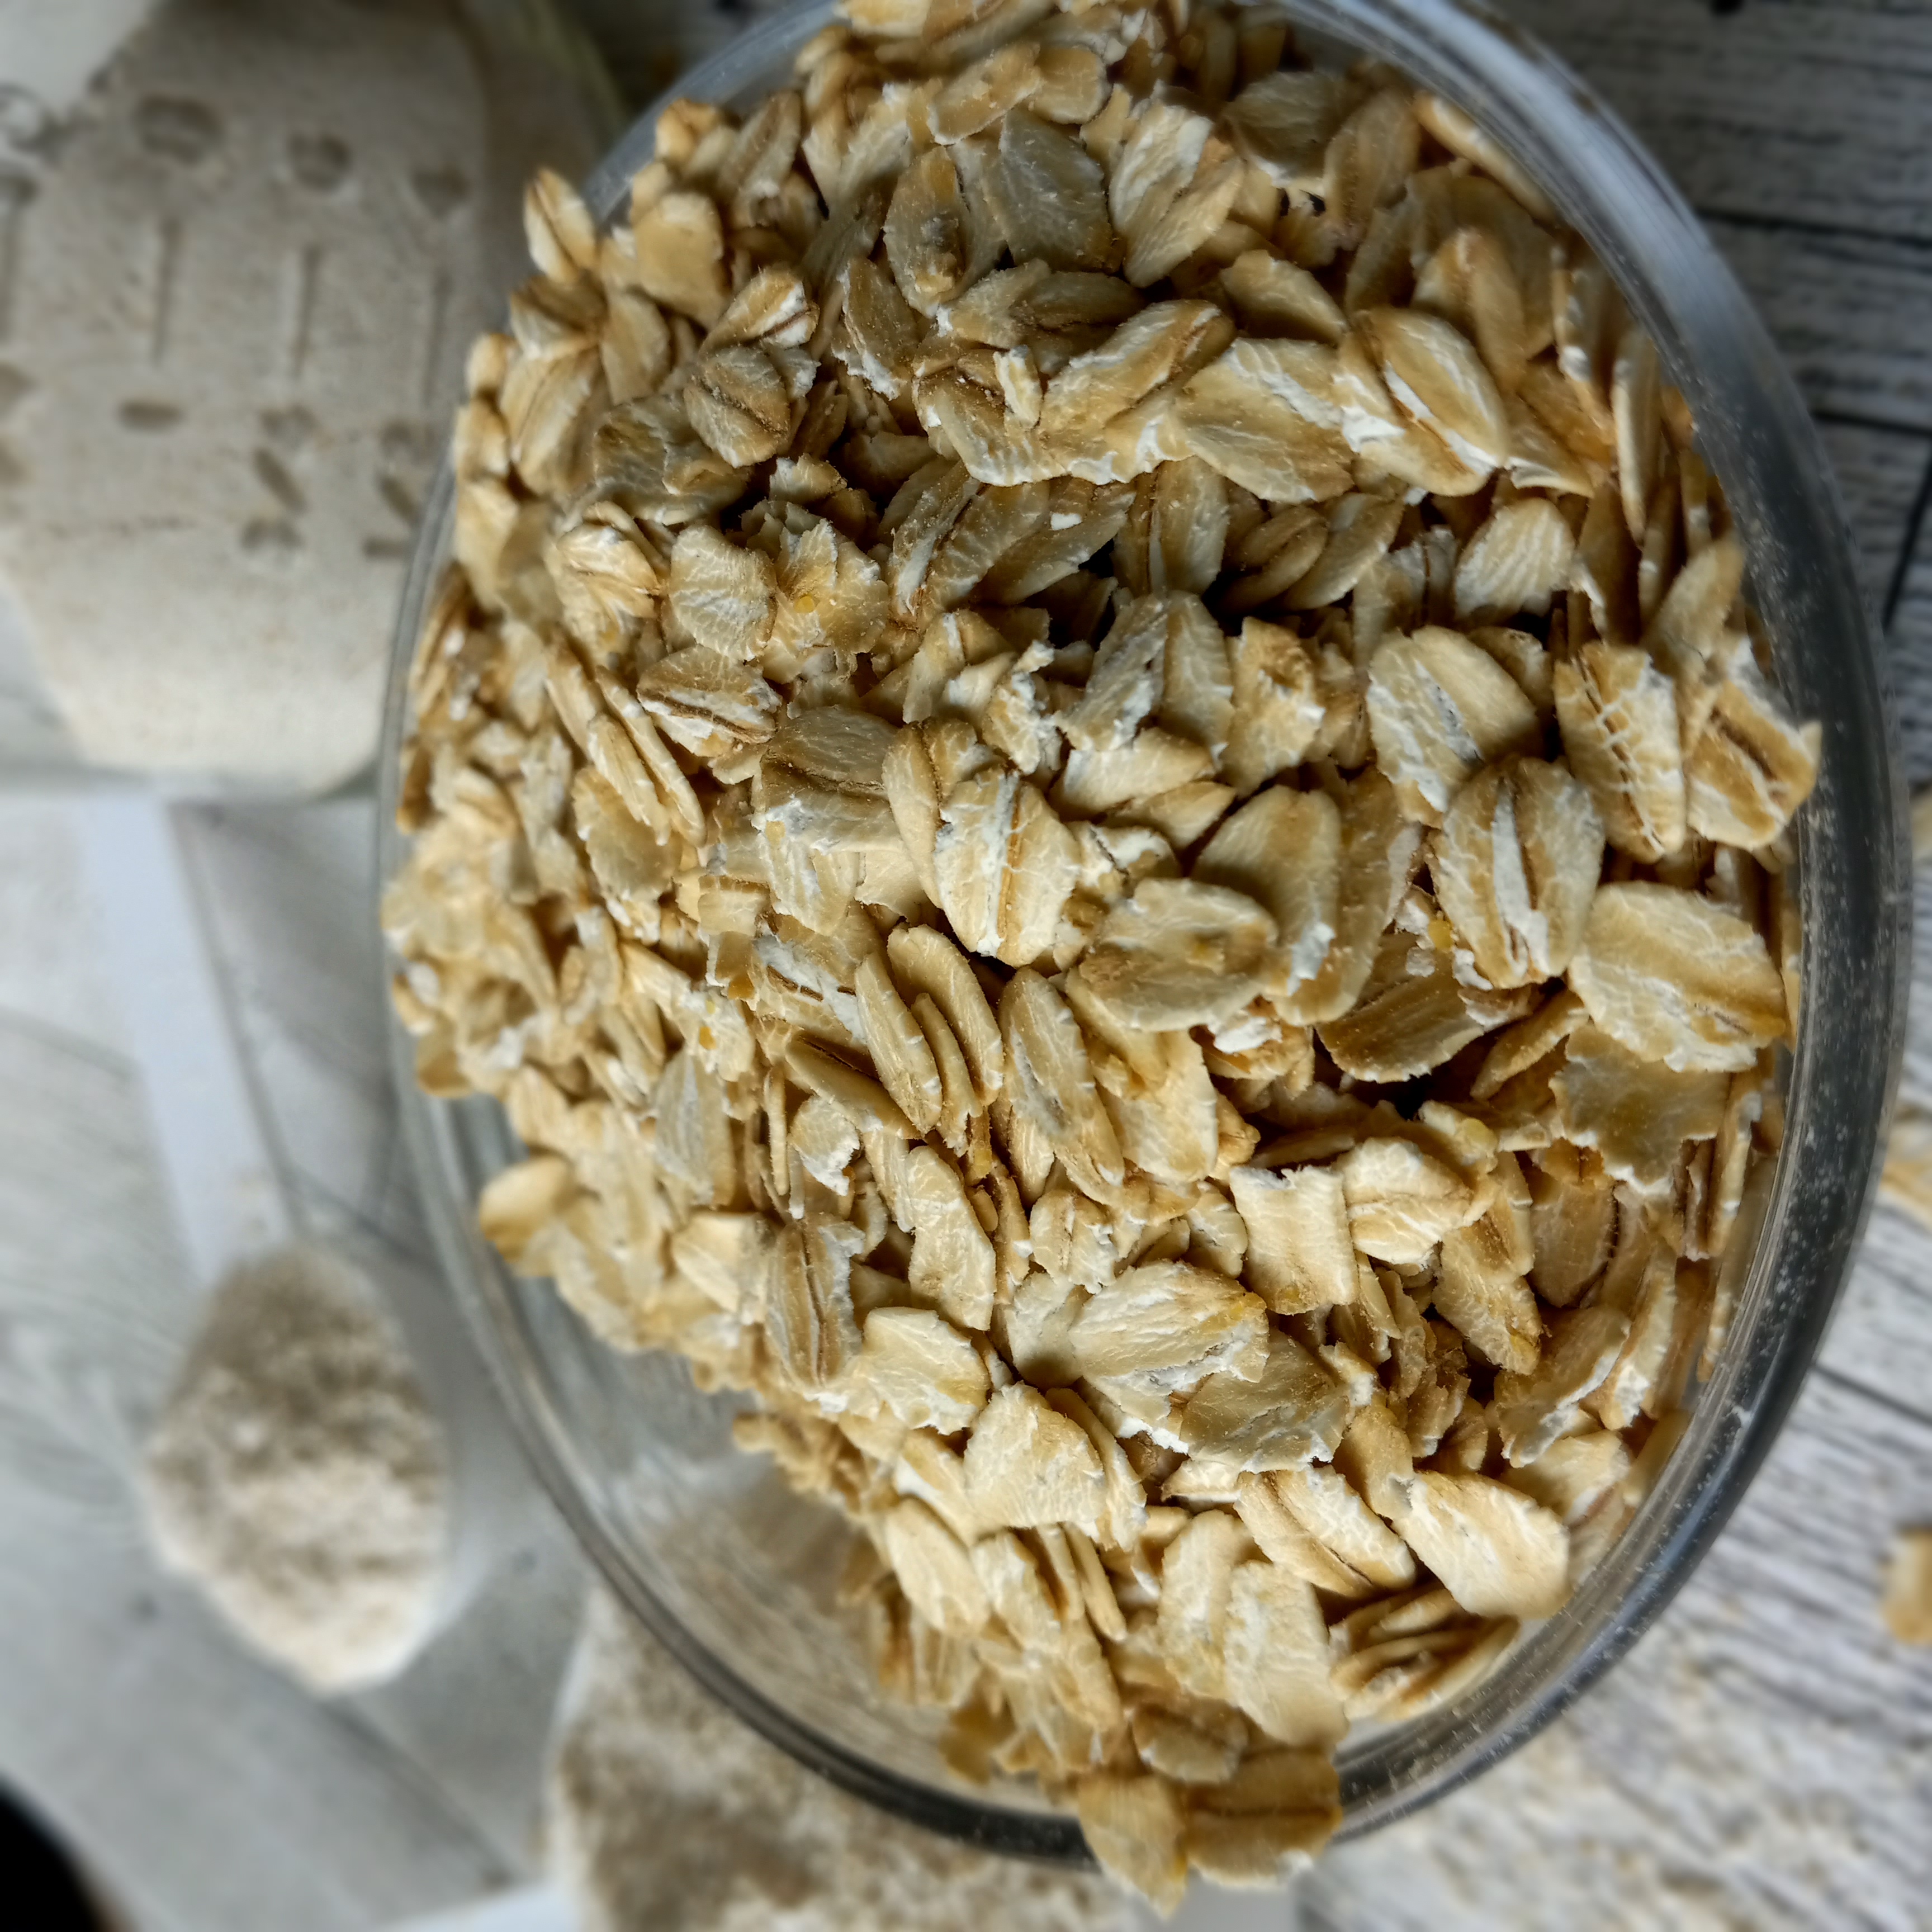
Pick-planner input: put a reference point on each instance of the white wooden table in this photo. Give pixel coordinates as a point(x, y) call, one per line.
point(1763, 1759)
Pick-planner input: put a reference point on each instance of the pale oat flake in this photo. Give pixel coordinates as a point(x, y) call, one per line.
point(1095, 783)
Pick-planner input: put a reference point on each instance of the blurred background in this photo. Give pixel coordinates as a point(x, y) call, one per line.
point(243, 246)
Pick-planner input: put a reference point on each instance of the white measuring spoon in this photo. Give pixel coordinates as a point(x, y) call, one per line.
point(227, 1181)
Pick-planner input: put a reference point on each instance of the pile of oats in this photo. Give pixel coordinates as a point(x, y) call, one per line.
point(1094, 784)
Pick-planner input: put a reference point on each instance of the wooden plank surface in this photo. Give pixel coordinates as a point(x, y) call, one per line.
point(1763, 1759)
point(1750, 106)
point(1910, 637)
point(1847, 311)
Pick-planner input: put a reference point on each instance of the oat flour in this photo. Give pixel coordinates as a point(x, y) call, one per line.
point(298, 1477)
point(664, 1810)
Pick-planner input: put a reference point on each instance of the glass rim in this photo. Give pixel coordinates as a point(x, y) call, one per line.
point(1854, 872)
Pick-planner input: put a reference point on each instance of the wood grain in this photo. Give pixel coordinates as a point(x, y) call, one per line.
point(1851, 313)
point(1885, 476)
point(1881, 472)
point(1910, 637)
point(1799, 113)
point(1763, 1759)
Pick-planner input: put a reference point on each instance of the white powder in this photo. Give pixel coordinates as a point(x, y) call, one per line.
point(234, 306)
point(664, 1811)
point(1683, 1795)
point(298, 1477)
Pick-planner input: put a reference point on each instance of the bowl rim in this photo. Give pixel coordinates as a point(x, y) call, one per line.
point(1854, 869)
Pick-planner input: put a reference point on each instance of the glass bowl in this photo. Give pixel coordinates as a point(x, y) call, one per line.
point(737, 1577)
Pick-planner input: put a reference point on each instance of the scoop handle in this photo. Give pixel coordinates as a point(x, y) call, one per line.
point(228, 1190)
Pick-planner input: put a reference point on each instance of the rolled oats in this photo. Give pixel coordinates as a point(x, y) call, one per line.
point(1094, 782)
point(1499, 1552)
point(1440, 708)
point(1906, 1605)
point(1516, 869)
point(1673, 978)
point(1328, 1508)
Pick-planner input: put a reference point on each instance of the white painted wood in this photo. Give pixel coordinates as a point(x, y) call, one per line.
point(209, 1794)
point(224, 1181)
point(1764, 1758)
